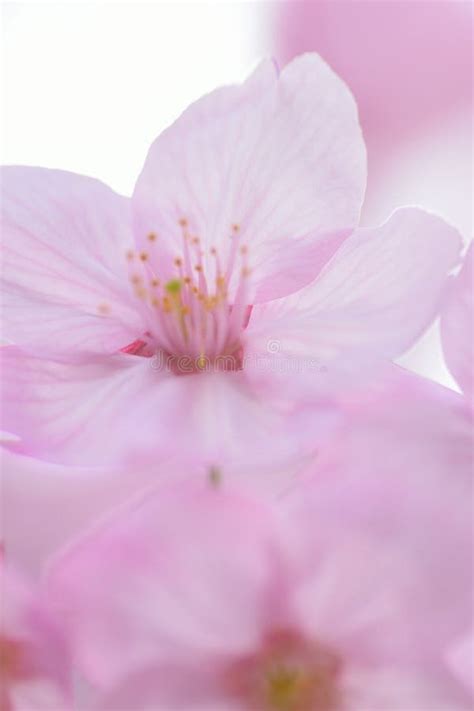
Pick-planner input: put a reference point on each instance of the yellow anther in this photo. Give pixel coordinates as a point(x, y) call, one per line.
point(173, 286)
point(211, 302)
point(155, 302)
point(141, 292)
point(152, 237)
point(143, 256)
point(215, 476)
point(187, 280)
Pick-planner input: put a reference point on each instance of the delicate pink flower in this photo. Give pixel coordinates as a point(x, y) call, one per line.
point(241, 201)
point(457, 326)
point(199, 598)
point(33, 656)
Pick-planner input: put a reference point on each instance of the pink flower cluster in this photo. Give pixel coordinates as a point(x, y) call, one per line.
point(219, 492)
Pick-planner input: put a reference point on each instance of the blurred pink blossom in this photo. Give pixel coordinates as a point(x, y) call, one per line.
point(350, 594)
point(405, 62)
point(34, 660)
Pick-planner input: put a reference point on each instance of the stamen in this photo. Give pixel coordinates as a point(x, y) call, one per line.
point(193, 316)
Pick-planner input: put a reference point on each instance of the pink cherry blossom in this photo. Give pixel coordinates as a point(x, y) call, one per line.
point(34, 671)
point(224, 251)
point(341, 598)
point(457, 326)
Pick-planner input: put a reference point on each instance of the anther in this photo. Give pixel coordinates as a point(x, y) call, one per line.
point(214, 476)
point(173, 286)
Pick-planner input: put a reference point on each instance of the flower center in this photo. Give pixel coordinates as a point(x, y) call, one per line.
point(12, 658)
point(186, 304)
point(15, 667)
point(289, 673)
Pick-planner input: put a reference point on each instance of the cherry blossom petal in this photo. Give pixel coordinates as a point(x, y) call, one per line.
point(74, 413)
point(376, 296)
point(173, 604)
point(163, 689)
point(126, 410)
point(457, 326)
point(64, 277)
point(281, 156)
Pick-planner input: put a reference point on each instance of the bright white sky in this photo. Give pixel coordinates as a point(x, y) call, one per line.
point(88, 86)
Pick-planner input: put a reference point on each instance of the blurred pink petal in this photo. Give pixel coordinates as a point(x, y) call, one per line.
point(407, 63)
point(461, 657)
point(34, 672)
point(457, 326)
point(47, 504)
